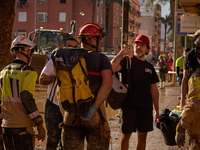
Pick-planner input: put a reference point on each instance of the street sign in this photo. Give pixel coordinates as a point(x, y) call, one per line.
point(190, 23)
point(170, 44)
point(179, 32)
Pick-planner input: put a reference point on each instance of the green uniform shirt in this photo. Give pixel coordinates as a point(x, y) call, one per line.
point(179, 62)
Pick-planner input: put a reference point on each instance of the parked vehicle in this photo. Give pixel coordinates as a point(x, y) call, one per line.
point(46, 40)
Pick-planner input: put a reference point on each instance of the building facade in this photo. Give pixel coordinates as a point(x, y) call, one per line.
point(49, 14)
point(134, 21)
point(151, 26)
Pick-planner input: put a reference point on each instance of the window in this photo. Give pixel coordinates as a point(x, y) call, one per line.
point(42, 17)
point(97, 18)
point(117, 11)
point(114, 40)
point(22, 16)
point(114, 10)
point(101, 20)
point(62, 1)
point(62, 17)
point(21, 32)
point(21, 4)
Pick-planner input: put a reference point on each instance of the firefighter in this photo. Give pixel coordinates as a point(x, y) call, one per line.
point(18, 109)
point(94, 127)
point(190, 119)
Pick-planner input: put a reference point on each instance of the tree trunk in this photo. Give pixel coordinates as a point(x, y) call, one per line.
point(6, 24)
point(179, 45)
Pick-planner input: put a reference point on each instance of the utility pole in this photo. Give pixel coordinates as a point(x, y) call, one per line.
point(175, 34)
point(125, 21)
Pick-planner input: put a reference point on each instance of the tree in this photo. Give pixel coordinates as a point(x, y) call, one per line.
point(166, 21)
point(6, 24)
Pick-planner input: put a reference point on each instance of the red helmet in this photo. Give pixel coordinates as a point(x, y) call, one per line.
point(91, 29)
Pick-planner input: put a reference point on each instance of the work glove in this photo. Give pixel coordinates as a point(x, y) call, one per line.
point(90, 113)
point(41, 132)
point(180, 139)
point(178, 79)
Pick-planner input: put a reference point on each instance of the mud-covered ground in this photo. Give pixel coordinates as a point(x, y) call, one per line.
point(155, 140)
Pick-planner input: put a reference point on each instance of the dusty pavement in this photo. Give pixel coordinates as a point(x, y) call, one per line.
point(155, 141)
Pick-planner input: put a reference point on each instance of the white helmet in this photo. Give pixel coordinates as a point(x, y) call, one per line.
point(21, 43)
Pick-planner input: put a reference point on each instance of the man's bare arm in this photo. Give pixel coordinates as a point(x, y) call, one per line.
point(155, 96)
point(105, 88)
point(117, 59)
point(46, 79)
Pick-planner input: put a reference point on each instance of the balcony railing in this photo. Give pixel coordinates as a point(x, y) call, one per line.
point(134, 11)
point(138, 13)
point(138, 24)
point(131, 34)
point(132, 21)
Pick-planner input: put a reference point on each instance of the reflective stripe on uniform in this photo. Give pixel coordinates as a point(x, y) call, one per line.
point(14, 83)
point(11, 99)
point(34, 114)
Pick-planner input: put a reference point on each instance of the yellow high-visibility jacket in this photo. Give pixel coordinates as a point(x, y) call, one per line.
point(17, 88)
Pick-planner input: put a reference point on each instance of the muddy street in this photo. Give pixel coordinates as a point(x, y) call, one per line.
point(155, 140)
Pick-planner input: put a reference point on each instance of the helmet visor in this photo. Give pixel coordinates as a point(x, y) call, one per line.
point(197, 41)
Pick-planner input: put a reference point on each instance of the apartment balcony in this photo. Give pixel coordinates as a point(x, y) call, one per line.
point(155, 32)
point(132, 21)
point(134, 11)
point(138, 13)
point(156, 24)
point(131, 34)
point(138, 24)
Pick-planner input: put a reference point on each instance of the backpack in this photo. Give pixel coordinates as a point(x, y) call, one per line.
point(73, 82)
point(165, 67)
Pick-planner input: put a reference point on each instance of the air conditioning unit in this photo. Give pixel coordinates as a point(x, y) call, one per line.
point(42, 1)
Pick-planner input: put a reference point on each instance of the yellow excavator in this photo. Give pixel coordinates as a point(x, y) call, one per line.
point(46, 41)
